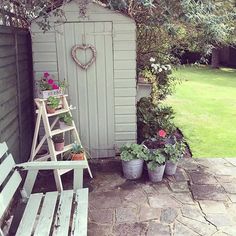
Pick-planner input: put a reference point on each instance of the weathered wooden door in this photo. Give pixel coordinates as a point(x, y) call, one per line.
point(91, 90)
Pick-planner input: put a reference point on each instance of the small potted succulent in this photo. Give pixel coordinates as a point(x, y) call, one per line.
point(59, 142)
point(133, 156)
point(173, 152)
point(156, 165)
point(65, 120)
point(77, 152)
point(52, 104)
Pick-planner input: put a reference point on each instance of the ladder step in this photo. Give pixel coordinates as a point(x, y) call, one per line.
point(60, 131)
point(62, 172)
point(66, 148)
point(58, 112)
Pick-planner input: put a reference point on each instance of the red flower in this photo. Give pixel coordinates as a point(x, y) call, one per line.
point(46, 74)
point(162, 133)
point(50, 81)
point(54, 86)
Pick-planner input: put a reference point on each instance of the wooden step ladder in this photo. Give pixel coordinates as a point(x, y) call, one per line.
point(50, 132)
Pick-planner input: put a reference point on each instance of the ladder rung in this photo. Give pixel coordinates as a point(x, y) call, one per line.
point(66, 148)
point(58, 112)
point(62, 172)
point(60, 131)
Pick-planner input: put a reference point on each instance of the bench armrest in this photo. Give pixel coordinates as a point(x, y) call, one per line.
point(51, 165)
point(34, 167)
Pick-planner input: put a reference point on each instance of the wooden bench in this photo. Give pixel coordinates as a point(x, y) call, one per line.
point(53, 213)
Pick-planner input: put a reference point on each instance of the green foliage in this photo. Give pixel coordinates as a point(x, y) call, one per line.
point(66, 118)
point(53, 102)
point(133, 151)
point(174, 152)
point(152, 118)
point(77, 148)
point(156, 158)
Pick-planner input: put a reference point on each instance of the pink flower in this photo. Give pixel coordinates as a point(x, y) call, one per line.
point(162, 133)
point(50, 81)
point(46, 74)
point(54, 86)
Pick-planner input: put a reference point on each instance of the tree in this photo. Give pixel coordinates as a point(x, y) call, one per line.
point(165, 28)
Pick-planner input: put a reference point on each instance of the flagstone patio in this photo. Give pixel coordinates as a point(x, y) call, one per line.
point(199, 200)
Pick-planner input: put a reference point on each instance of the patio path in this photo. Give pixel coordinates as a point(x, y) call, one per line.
point(199, 200)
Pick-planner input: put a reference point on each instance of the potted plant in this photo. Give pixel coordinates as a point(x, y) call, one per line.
point(132, 156)
point(52, 104)
point(156, 165)
point(77, 152)
point(65, 120)
point(173, 152)
point(59, 142)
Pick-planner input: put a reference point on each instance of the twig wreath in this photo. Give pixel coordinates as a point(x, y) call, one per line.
point(84, 47)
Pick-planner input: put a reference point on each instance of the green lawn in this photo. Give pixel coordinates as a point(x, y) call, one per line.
point(205, 106)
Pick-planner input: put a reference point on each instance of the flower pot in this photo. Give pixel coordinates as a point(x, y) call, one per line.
point(132, 169)
point(59, 146)
point(170, 168)
point(50, 110)
point(157, 174)
point(77, 157)
point(63, 125)
point(48, 93)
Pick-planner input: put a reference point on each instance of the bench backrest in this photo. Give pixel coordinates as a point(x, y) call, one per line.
point(10, 179)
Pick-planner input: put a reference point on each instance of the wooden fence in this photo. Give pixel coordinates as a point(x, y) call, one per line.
point(16, 91)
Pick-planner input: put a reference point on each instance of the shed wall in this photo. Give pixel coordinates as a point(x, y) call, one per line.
point(124, 51)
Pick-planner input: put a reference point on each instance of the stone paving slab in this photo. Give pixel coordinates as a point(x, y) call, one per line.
point(197, 201)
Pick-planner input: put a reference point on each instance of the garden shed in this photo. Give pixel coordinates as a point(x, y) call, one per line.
point(104, 93)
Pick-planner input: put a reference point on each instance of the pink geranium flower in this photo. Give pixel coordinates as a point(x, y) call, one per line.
point(162, 133)
point(46, 74)
point(54, 86)
point(50, 81)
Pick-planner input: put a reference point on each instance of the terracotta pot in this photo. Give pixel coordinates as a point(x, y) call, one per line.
point(59, 146)
point(77, 157)
point(50, 110)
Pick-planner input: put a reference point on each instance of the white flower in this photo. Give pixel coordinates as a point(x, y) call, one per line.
point(160, 70)
point(164, 68)
point(71, 107)
point(168, 67)
point(152, 59)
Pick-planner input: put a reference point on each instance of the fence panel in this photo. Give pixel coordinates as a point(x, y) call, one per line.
point(16, 91)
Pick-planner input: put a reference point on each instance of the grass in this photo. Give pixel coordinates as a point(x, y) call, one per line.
point(205, 106)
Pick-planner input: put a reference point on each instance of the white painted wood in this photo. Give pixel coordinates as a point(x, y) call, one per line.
point(62, 221)
point(79, 225)
point(125, 92)
point(40, 66)
point(44, 47)
point(124, 74)
point(6, 167)
point(122, 101)
point(46, 215)
point(29, 182)
point(3, 149)
point(128, 127)
point(78, 179)
point(125, 136)
point(125, 110)
point(45, 56)
point(29, 216)
point(8, 192)
point(52, 165)
point(123, 119)
point(43, 37)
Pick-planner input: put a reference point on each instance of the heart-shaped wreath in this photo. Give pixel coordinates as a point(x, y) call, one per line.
point(84, 47)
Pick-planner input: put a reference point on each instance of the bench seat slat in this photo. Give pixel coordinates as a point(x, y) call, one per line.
point(80, 216)
point(62, 221)
point(8, 192)
point(6, 167)
point(29, 216)
point(3, 149)
point(46, 216)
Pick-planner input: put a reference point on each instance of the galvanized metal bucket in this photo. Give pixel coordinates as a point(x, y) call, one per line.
point(132, 169)
point(157, 174)
point(170, 168)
